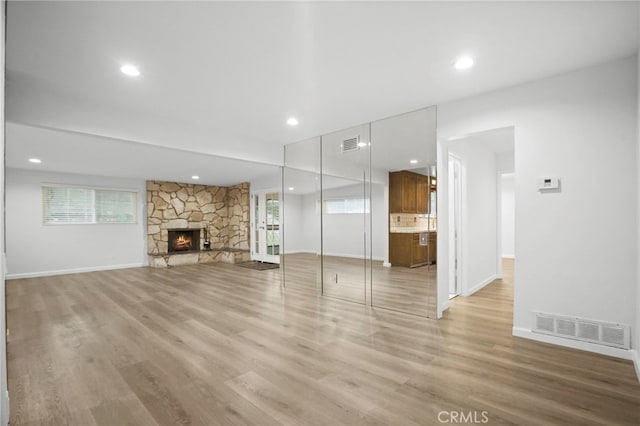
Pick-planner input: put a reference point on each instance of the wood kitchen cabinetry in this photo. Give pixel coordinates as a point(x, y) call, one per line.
point(433, 244)
point(423, 192)
point(418, 252)
point(405, 249)
point(408, 192)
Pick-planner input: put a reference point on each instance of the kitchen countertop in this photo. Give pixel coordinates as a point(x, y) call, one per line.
point(408, 230)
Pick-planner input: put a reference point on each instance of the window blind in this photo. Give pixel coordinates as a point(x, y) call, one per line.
point(72, 205)
point(115, 206)
point(346, 206)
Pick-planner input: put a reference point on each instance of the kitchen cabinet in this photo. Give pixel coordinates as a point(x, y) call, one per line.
point(400, 249)
point(432, 248)
point(405, 250)
point(419, 252)
point(423, 193)
point(408, 192)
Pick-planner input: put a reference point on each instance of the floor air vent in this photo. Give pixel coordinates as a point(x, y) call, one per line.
point(591, 331)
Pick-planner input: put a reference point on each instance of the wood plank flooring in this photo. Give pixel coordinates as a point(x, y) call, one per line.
point(221, 345)
point(409, 290)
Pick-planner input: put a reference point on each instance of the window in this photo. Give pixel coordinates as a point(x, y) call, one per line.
point(74, 205)
point(346, 206)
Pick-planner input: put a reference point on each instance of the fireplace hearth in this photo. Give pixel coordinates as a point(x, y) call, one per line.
point(184, 240)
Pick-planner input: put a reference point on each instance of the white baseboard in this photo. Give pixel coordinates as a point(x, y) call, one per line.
point(444, 307)
point(479, 286)
point(73, 271)
point(636, 361)
point(353, 256)
point(350, 256)
point(575, 344)
point(6, 407)
point(508, 256)
point(386, 264)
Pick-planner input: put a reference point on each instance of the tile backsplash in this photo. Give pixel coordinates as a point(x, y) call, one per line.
point(412, 220)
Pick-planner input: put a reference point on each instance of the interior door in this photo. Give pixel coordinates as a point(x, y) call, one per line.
point(265, 226)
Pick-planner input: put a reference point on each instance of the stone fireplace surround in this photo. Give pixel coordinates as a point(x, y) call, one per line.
point(223, 211)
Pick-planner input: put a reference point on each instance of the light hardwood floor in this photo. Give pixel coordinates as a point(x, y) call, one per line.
point(218, 344)
point(409, 290)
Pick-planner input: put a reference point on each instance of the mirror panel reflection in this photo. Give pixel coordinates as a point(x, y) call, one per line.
point(404, 148)
point(345, 213)
point(367, 220)
point(301, 221)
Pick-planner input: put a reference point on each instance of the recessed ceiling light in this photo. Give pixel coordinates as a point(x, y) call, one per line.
point(291, 188)
point(463, 63)
point(195, 177)
point(362, 144)
point(292, 121)
point(35, 160)
point(413, 161)
point(130, 70)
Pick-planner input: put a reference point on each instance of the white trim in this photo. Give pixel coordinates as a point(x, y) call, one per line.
point(83, 186)
point(445, 306)
point(508, 256)
point(6, 412)
point(74, 271)
point(481, 285)
point(300, 252)
point(350, 256)
point(575, 344)
point(386, 264)
point(636, 361)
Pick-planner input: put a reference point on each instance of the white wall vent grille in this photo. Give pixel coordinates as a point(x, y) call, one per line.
point(603, 333)
point(545, 323)
point(588, 330)
point(351, 144)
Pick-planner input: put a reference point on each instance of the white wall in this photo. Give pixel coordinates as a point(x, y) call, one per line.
point(311, 223)
point(581, 126)
point(479, 236)
point(636, 336)
point(4, 393)
point(343, 233)
point(507, 216)
point(504, 162)
point(34, 249)
point(293, 223)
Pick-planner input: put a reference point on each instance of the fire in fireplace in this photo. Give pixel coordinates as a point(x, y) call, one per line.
point(181, 240)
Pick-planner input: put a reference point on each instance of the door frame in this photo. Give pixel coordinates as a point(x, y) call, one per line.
point(456, 171)
point(260, 196)
point(499, 213)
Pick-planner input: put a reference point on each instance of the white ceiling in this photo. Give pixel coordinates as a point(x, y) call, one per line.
point(99, 156)
point(222, 77)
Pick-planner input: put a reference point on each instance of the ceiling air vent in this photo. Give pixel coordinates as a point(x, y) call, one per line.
point(351, 144)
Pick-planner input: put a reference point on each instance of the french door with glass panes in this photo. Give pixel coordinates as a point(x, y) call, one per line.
point(265, 226)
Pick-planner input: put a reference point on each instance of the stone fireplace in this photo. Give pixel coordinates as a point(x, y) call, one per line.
point(183, 240)
point(188, 223)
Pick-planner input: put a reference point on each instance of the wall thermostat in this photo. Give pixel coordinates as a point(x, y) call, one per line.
point(548, 183)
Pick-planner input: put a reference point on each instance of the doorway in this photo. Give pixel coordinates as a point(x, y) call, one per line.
point(475, 164)
point(265, 226)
